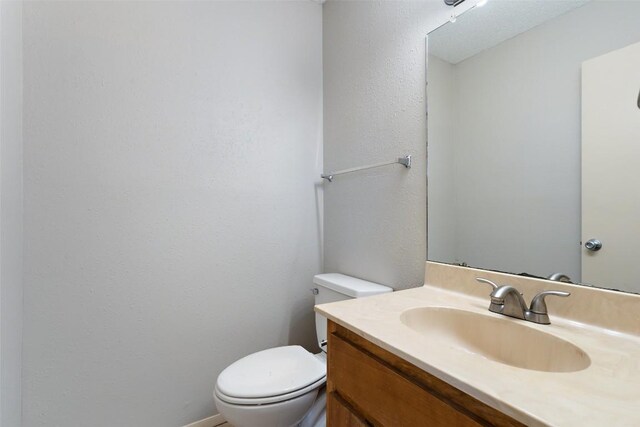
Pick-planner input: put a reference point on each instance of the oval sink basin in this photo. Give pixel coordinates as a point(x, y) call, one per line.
point(500, 339)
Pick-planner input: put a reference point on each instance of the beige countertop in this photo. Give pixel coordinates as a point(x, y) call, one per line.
point(607, 392)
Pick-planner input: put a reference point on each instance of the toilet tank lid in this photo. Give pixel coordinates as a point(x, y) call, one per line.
point(350, 286)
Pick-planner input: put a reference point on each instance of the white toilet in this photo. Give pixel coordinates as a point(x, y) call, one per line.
point(283, 386)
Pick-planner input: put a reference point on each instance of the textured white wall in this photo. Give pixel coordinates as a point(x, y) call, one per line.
point(517, 142)
point(10, 212)
point(375, 110)
point(172, 225)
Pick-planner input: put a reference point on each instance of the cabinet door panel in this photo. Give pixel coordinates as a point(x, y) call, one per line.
point(340, 415)
point(383, 396)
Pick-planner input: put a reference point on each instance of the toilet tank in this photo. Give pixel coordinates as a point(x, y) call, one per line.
point(333, 287)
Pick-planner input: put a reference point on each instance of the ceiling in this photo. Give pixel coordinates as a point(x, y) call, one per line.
point(499, 20)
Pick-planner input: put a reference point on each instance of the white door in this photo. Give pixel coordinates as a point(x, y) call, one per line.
point(611, 169)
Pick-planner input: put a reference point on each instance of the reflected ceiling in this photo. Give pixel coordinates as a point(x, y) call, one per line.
point(506, 18)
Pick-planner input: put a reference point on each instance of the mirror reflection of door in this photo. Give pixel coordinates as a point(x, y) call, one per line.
point(611, 168)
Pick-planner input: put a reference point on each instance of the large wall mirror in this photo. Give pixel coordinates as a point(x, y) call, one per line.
point(534, 140)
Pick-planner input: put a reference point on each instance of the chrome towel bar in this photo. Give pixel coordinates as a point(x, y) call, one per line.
point(404, 161)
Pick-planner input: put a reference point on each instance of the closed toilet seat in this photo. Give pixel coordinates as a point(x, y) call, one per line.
point(271, 376)
point(270, 399)
point(271, 388)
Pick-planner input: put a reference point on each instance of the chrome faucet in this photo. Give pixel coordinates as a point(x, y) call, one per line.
point(509, 301)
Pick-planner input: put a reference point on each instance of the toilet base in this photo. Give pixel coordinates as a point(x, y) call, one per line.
point(317, 415)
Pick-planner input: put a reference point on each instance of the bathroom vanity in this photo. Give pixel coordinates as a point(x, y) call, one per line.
point(436, 356)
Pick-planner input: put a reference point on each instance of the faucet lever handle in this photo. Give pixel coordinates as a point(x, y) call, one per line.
point(539, 306)
point(488, 282)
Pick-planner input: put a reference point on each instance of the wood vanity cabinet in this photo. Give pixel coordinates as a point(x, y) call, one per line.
point(369, 386)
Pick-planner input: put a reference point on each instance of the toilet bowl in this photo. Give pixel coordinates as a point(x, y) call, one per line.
point(284, 386)
point(271, 388)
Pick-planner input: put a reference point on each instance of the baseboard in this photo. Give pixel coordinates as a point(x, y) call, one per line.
point(213, 421)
